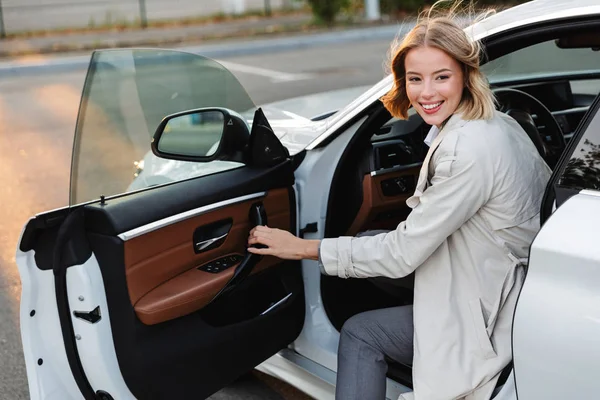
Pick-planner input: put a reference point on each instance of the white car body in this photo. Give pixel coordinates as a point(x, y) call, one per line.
point(556, 334)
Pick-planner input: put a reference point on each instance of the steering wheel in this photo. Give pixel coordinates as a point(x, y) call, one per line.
point(522, 106)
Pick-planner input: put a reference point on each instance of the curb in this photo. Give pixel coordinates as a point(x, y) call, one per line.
point(221, 50)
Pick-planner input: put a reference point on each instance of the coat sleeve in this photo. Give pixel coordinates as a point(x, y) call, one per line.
point(460, 186)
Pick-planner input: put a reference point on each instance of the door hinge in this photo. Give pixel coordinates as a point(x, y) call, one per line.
point(309, 228)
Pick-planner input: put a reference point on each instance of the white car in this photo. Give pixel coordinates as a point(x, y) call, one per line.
point(142, 286)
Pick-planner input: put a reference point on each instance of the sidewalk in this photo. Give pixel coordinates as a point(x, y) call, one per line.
point(251, 27)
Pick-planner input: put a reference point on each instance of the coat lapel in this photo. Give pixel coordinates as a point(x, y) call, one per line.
point(414, 200)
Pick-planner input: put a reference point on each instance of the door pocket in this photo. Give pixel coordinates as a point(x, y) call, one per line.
point(262, 294)
point(485, 344)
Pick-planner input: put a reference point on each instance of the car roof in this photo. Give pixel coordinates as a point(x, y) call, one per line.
point(525, 14)
point(533, 12)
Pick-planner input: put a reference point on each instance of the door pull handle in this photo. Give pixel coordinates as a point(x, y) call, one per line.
point(205, 243)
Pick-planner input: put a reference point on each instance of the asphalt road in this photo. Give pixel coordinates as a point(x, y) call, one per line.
point(25, 15)
point(37, 119)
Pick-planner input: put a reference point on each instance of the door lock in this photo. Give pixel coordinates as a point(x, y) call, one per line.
point(92, 316)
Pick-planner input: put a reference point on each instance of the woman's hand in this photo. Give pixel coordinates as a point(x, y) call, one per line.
point(282, 244)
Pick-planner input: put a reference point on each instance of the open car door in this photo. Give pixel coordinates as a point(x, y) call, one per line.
point(556, 325)
point(142, 287)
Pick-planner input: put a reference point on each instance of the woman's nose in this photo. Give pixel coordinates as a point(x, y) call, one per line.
point(428, 90)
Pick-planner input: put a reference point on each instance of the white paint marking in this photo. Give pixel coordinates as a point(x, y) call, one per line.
point(275, 76)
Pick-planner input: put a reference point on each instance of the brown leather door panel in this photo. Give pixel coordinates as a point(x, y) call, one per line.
point(375, 203)
point(161, 266)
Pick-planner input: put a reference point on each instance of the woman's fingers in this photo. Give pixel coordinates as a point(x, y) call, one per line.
point(260, 228)
point(280, 243)
point(259, 240)
point(262, 252)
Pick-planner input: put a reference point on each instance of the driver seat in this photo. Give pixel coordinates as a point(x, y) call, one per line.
point(528, 124)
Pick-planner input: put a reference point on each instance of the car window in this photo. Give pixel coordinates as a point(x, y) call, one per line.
point(541, 59)
point(582, 171)
point(126, 94)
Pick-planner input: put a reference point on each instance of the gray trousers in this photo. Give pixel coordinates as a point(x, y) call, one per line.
point(365, 340)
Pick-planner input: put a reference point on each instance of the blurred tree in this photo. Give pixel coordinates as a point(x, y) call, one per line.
point(396, 7)
point(583, 172)
point(326, 10)
point(2, 29)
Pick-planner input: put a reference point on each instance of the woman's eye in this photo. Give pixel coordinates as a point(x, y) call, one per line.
point(413, 79)
point(443, 77)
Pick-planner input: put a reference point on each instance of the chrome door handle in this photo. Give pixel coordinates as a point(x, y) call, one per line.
point(205, 243)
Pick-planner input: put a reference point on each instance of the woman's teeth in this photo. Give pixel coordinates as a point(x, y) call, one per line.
point(431, 106)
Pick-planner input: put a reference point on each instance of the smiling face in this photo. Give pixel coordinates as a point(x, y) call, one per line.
point(434, 83)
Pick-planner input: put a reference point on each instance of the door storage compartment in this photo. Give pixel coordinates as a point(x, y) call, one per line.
point(267, 292)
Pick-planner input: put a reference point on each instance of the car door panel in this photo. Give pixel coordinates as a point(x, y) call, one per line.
point(384, 200)
point(197, 354)
point(162, 268)
point(170, 339)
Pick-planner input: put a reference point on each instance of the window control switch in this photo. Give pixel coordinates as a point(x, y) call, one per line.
point(221, 264)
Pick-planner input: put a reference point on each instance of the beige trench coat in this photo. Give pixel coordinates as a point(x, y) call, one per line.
point(475, 214)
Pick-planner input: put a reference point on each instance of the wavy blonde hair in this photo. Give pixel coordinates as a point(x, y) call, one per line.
point(442, 32)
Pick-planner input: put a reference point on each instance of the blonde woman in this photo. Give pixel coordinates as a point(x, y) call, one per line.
point(474, 215)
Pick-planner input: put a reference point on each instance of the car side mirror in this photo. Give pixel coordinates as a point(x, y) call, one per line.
point(203, 134)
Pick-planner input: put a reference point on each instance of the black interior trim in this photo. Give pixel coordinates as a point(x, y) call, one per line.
point(339, 218)
point(119, 214)
point(298, 158)
point(293, 214)
point(133, 210)
point(72, 228)
point(39, 224)
point(76, 251)
point(518, 38)
point(542, 79)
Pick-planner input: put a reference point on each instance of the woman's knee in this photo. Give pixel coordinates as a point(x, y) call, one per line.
point(357, 327)
point(386, 329)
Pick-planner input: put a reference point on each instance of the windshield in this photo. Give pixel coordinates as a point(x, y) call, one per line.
point(126, 94)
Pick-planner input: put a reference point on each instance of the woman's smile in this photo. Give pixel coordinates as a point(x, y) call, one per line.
point(431, 108)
